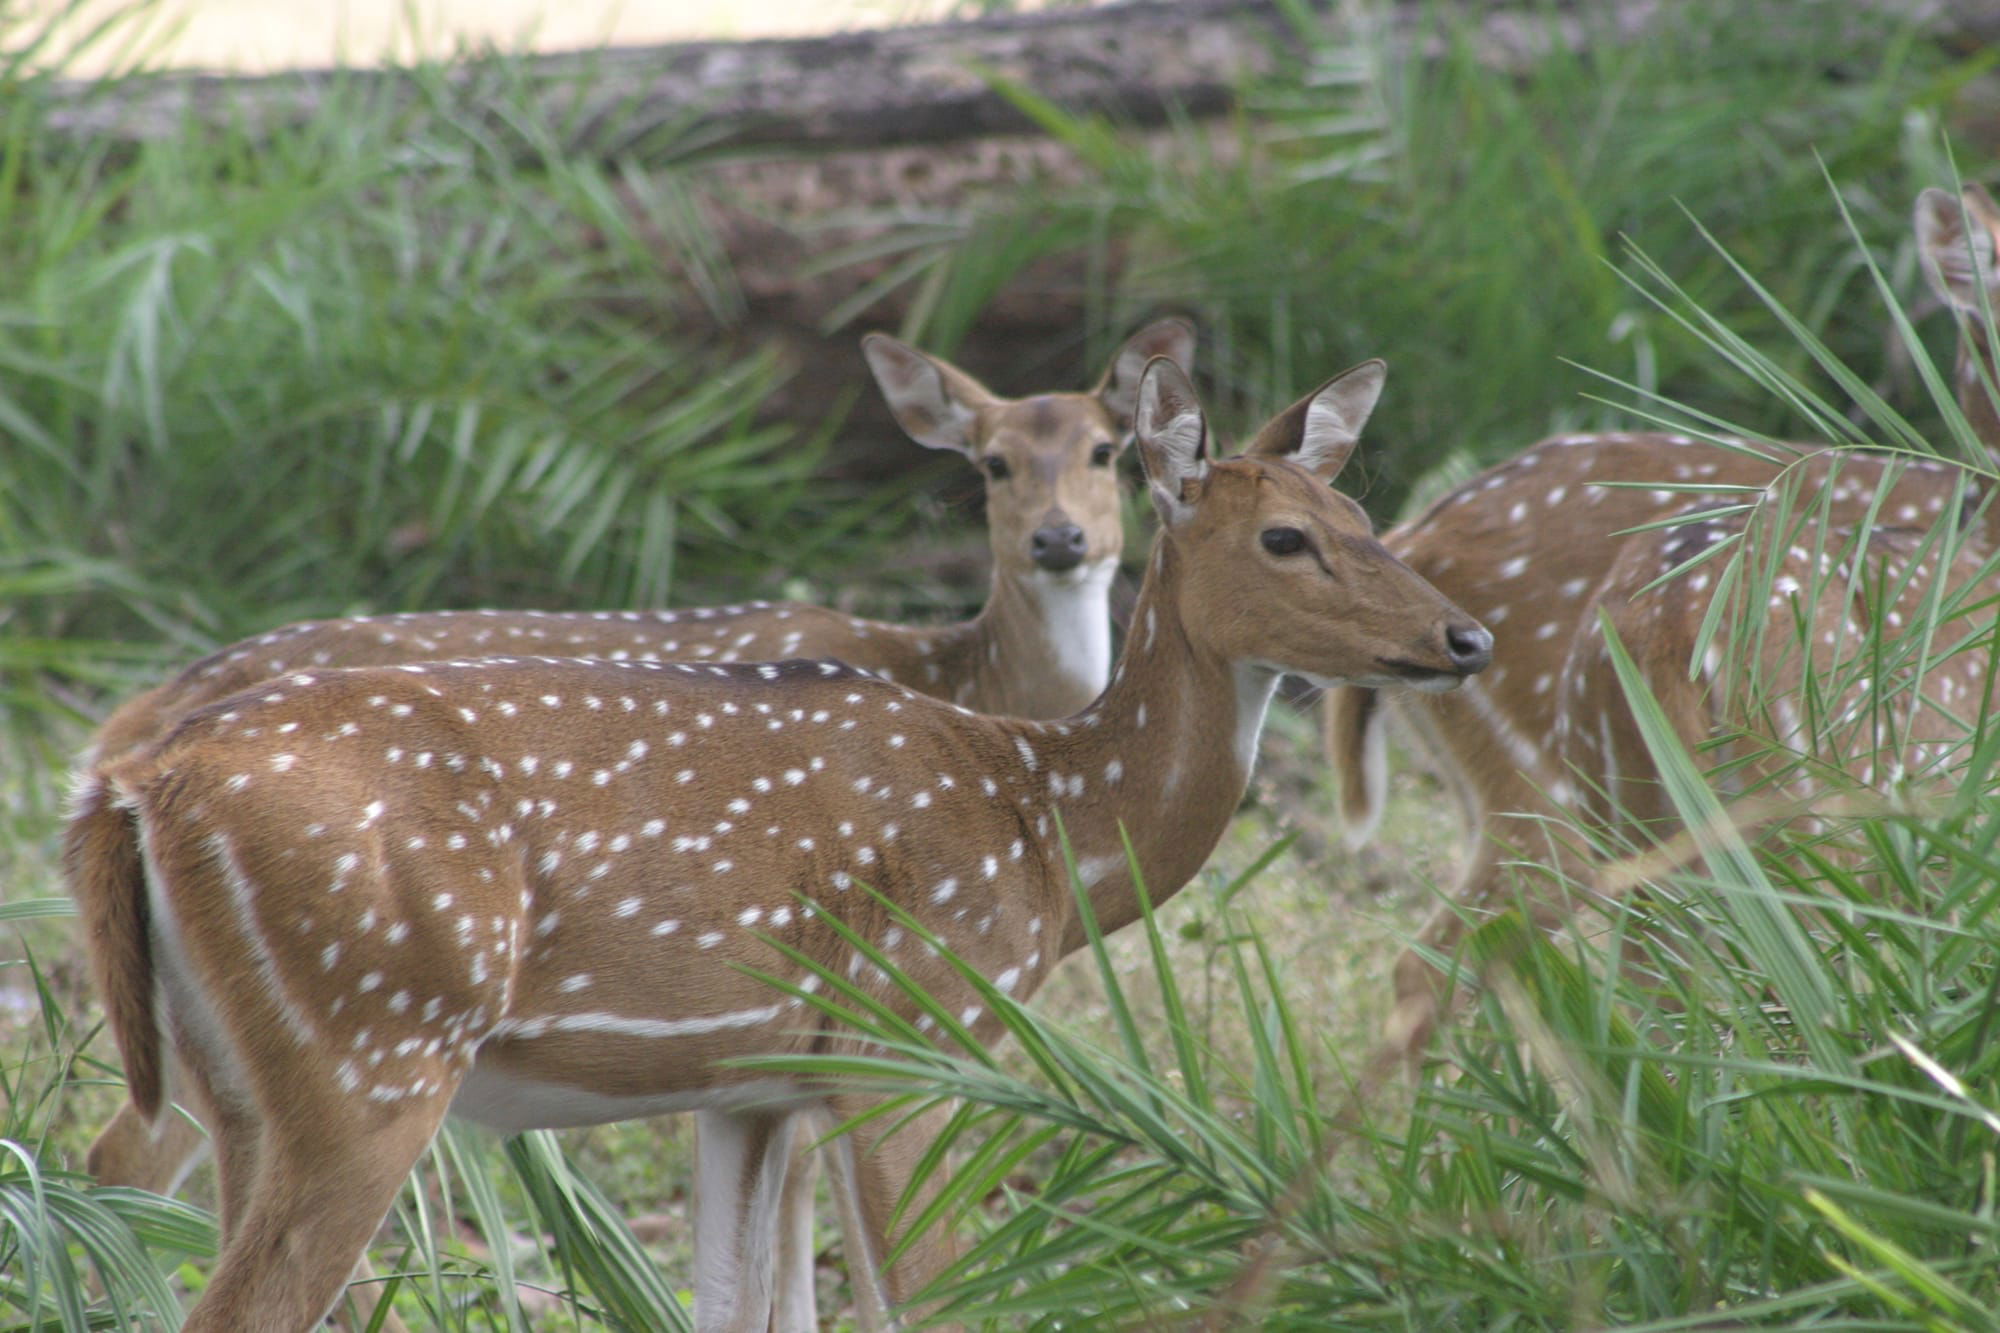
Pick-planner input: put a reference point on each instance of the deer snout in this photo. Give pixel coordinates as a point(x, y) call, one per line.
point(1058, 547)
point(1469, 646)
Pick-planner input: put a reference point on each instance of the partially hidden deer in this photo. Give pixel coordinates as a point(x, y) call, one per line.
point(530, 890)
point(1579, 525)
point(1041, 647)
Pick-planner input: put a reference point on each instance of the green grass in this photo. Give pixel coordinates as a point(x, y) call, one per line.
point(416, 354)
point(409, 352)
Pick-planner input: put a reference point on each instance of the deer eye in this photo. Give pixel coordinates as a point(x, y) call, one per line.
point(1102, 455)
point(1283, 541)
point(996, 468)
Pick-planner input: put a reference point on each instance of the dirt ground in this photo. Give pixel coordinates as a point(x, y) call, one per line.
point(257, 35)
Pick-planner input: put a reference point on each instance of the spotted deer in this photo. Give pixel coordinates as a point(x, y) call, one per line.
point(529, 890)
point(1040, 648)
point(1538, 546)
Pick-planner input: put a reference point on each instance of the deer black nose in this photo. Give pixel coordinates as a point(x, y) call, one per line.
point(1058, 546)
point(1469, 646)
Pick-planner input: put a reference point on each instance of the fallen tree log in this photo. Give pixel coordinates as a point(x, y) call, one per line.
point(1140, 61)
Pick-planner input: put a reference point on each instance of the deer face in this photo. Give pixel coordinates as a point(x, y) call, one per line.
point(1052, 495)
point(1288, 570)
point(1050, 463)
point(1958, 239)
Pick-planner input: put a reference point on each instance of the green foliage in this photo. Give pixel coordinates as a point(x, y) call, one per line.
point(590, 1241)
point(1411, 192)
point(59, 1238)
point(1777, 1127)
point(407, 351)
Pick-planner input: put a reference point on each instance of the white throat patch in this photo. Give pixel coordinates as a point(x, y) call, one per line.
point(1255, 684)
point(1075, 610)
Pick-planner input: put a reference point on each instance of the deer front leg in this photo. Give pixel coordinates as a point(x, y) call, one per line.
point(879, 1167)
point(741, 1158)
point(795, 1308)
point(871, 1305)
point(1552, 899)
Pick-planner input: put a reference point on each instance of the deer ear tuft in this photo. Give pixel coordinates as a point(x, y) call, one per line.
point(1172, 432)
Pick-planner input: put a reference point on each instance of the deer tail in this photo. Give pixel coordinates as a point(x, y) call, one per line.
point(105, 871)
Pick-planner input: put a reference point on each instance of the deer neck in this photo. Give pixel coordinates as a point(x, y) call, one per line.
point(1041, 647)
point(1162, 757)
point(1044, 641)
point(1975, 363)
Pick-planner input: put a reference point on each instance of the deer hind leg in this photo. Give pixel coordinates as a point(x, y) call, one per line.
point(129, 1152)
point(1419, 988)
point(739, 1182)
point(321, 1183)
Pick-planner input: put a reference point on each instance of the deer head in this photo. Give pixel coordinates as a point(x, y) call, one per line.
point(1287, 572)
point(1049, 461)
point(1957, 237)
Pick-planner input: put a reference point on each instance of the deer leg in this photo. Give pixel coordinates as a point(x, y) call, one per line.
point(881, 1167)
point(795, 1305)
point(739, 1182)
point(322, 1184)
point(796, 1308)
point(1418, 987)
point(1483, 888)
point(131, 1153)
point(871, 1303)
point(234, 1134)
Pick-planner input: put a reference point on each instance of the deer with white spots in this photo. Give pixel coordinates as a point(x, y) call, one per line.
point(524, 890)
point(1040, 648)
point(1537, 546)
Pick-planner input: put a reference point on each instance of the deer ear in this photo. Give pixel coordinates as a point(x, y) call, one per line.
point(1173, 438)
point(1119, 389)
point(934, 402)
point(1319, 431)
point(1958, 263)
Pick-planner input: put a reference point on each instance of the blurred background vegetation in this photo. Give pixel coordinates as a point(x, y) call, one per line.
point(415, 351)
point(419, 352)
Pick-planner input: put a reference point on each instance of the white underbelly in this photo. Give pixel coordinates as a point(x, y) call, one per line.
point(511, 1104)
